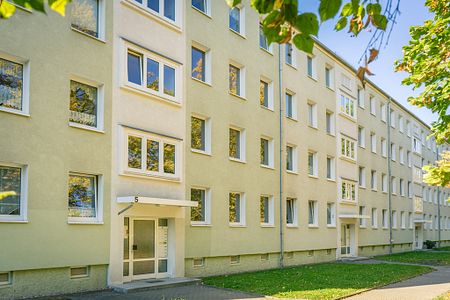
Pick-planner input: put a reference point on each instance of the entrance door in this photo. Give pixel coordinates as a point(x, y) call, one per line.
point(145, 248)
point(418, 237)
point(345, 240)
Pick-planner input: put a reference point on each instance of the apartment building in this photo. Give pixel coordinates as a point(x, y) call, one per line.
point(176, 142)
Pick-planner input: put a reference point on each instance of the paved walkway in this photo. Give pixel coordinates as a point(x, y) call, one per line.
point(424, 287)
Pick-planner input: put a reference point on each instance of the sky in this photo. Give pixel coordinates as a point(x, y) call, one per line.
point(413, 12)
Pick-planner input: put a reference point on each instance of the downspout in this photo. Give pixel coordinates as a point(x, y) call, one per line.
point(280, 94)
point(389, 172)
point(439, 205)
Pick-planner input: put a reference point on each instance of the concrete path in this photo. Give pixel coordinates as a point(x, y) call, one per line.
point(424, 287)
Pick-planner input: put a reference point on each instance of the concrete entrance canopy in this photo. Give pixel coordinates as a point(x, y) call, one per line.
point(157, 201)
point(354, 216)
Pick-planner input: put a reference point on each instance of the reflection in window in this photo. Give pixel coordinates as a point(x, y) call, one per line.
point(264, 209)
point(82, 196)
point(263, 43)
point(235, 143)
point(235, 19)
point(169, 9)
point(153, 5)
point(235, 78)
point(169, 158)
point(264, 152)
point(235, 208)
point(200, 5)
point(84, 16)
point(264, 93)
point(153, 74)
point(11, 84)
point(83, 104)
point(134, 152)
point(198, 213)
point(10, 182)
point(169, 81)
point(134, 64)
point(198, 134)
point(152, 156)
point(198, 64)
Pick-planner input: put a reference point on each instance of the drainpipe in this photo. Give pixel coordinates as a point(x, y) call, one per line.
point(389, 172)
point(280, 94)
point(439, 205)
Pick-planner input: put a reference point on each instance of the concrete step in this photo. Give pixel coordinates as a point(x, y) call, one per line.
point(356, 258)
point(150, 284)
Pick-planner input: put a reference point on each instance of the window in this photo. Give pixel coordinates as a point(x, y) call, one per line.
point(202, 5)
point(198, 262)
point(291, 106)
point(373, 108)
point(237, 20)
point(401, 185)
point(348, 148)
point(361, 137)
point(291, 212)
point(417, 175)
point(373, 180)
point(362, 220)
point(392, 118)
point(384, 183)
point(330, 168)
point(85, 105)
point(411, 222)
point(310, 62)
point(13, 86)
point(236, 144)
point(166, 9)
point(236, 209)
point(360, 97)
point(329, 78)
point(408, 128)
point(83, 198)
point(13, 182)
point(201, 213)
point(402, 220)
point(161, 75)
point(312, 115)
point(263, 43)
point(400, 124)
point(79, 272)
point(266, 205)
point(201, 60)
point(236, 79)
point(87, 16)
point(291, 158)
point(384, 216)
point(346, 81)
point(394, 185)
point(329, 118)
point(409, 189)
point(235, 259)
point(394, 219)
point(401, 154)
point(312, 164)
point(383, 147)
point(347, 106)
point(416, 146)
point(313, 213)
point(152, 155)
point(374, 218)
point(266, 94)
point(373, 142)
point(393, 152)
point(267, 152)
point(362, 177)
point(408, 158)
point(383, 112)
point(200, 134)
point(289, 54)
point(348, 190)
point(331, 214)
point(5, 278)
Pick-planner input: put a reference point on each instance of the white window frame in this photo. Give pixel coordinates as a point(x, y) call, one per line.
point(373, 103)
point(100, 22)
point(362, 176)
point(411, 222)
point(242, 73)
point(207, 6)
point(312, 114)
point(401, 127)
point(241, 31)
point(271, 154)
point(350, 142)
point(207, 63)
point(385, 218)
point(408, 128)
point(294, 212)
point(315, 216)
point(362, 221)
point(402, 220)
point(401, 185)
point(361, 137)
point(25, 111)
point(143, 172)
point(392, 120)
point(384, 183)
point(360, 97)
point(394, 185)
point(373, 142)
point(332, 130)
point(242, 142)
point(207, 206)
point(313, 74)
point(401, 154)
point(159, 16)
point(349, 186)
point(315, 166)
point(332, 168)
point(393, 152)
point(409, 188)
point(383, 112)
point(142, 88)
point(7, 282)
point(23, 217)
point(207, 133)
point(269, 47)
point(373, 180)
point(332, 206)
point(408, 158)
point(346, 81)
point(294, 158)
point(294, 105)
point(293, 63)
point(271, 212)
point(242, 212)
point(374, 217)
point(98, 187)
point(394, 219)
point(330, 71)
point(347, 101)
point(270, 92)
point(383, 147)
point(100, 104)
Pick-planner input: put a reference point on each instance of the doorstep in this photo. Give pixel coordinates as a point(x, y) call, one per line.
point(354, 258)
point(150, 284)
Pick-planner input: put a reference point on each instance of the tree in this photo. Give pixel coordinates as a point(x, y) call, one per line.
point(8, 8)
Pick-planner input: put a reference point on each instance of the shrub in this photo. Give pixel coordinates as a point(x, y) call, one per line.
point(430, 244)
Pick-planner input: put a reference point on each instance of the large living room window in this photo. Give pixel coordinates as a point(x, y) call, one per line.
point(83, 198)
point(13, 185)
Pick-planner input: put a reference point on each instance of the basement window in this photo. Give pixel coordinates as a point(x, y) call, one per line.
point(79, 272)
point(5, 278)
point(199, 262)
point(234, 260)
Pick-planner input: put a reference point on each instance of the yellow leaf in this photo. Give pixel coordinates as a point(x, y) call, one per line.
point(6, 194)
point(59, 6)
point(6, 9)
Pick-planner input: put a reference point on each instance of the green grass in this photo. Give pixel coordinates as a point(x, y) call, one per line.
point(419, 257)
point(320, 281)
point(442, 249)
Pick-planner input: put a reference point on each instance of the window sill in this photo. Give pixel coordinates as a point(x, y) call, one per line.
point(292, 172)
point(362, 146)
point(148, 176)
point(201, 152)
point(101, 40)
point(153, 15)
point(313, 176)
point(15, 112)
point(267, 167)
point(362, 227)
point(267, 225)
point(291, 65)
point(349, 202)
point(84, 127)
point(373, 114)
point(200, 224)
point(362, 187)
point(313, 226)
point(331, 179)
point(362, 107)
point(374, 190)
point(236, 225)
point(241, 35)
point(237, 96)
point(330, 88)
point(331, 226)
point(201, 81)
point(201, 12)
point(348, 117)
point(145, 93)
point(350, 160)
point(90, 222)
point(268, 51)
point(291, 226)
point(374, 228)
point(17, 221)
point(313, 127)
point(312, 77)
point(292, 119)
point(331, 134)
point(266, 108)
point(237, 160)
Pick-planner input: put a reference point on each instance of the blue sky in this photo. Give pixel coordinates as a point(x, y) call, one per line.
point(413, 12)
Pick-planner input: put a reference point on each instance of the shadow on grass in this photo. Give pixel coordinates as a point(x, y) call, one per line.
point(432, 258)
point(320, 281)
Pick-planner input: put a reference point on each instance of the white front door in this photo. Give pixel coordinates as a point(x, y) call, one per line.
point(418, 237)
point(345, 240)
point(145, 248)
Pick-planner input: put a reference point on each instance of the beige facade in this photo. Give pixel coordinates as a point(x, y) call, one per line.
point(288, 158)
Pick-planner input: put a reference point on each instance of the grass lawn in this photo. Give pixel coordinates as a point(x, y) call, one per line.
point(320, 281)
point(419, 257)
point(442, 249)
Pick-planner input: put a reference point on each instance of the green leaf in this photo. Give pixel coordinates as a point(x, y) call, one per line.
point(347, 9)
point(59, 6)
point(6, 10)
point(37, 5)
point(307, 23)
point(303, 42)
point(341, 24)
point(380, 21)
point(328, 9)
point(263, 6)
point(233, 3)
point(373, 8)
